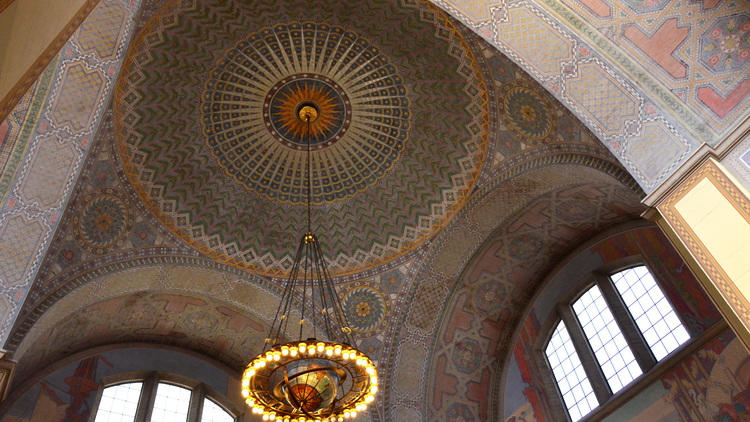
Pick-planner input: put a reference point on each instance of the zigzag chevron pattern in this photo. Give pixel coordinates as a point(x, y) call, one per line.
point(157, 109)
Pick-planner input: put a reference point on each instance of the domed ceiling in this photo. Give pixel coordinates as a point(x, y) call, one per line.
point(208, 131)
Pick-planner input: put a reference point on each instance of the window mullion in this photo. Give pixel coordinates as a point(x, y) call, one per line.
point(629, 329)
point(146, 402)
point(196, 404)
point(588, 360)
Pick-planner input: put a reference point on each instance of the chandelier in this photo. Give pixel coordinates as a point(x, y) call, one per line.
point(310, 379)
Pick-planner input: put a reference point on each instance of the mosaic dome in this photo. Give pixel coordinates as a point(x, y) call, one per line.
point(251, 107)
point(211, 140)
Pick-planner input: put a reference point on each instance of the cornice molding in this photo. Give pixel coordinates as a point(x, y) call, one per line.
point(698, 157)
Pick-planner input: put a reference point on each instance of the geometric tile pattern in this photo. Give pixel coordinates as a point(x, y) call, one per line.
point(478, 10)
point(651, 49)
point(49, 172)
point(81, 89)
point(602, 98)
point(684, 45)
point(379, 128)
point(395, 201)
point(57, 144)
point(20, 240)
point(654, 137)
point(532, 38)
point(452, 308)
point(16, 130)
point(100, 31)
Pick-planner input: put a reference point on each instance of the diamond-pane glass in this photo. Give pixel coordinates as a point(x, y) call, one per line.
point(119, 403)
point(609, 345)
point(171, 404)
point(571, 379)
point(212, 412)
point(652, 312)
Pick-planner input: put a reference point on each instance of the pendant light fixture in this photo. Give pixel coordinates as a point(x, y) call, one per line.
point(309, 379)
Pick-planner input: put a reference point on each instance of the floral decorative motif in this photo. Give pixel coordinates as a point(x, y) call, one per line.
point(527, 112)
point(487, 298)
point(103, 221)
point(459, 412)
point(68, 255)
point(467, 355)
point(364, 308)
point(725, 47)
point(525, 246)
point(143, 235)
point(282, 111)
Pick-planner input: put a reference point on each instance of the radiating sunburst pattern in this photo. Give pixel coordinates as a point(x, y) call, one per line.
point(402, 148)
point(250, 105)
point(283, 104)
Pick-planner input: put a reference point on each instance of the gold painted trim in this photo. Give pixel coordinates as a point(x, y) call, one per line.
point(27, 80)
point(709, 170)
point(4, 4)
point(713, 292)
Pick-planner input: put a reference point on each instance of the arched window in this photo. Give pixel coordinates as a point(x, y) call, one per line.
point(159, 398)
point(609, 335)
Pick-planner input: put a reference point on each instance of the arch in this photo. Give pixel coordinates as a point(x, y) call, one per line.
point(521, 205)
point(638, 241)
point(69, 386)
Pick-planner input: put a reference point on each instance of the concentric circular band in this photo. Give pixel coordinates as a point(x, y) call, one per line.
point(250, 116)
point(281, 107)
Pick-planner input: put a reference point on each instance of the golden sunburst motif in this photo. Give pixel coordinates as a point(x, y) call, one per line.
point(285, 111)
point(251, 113)
point(281, 111)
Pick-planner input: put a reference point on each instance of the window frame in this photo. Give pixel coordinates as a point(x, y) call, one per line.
point(564, 313)
point(150, 381)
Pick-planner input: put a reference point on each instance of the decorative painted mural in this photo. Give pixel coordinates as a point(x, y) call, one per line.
point(652, 79)
point(524, 391)
point(68, 393)
point(711, 385)
point(45, 141)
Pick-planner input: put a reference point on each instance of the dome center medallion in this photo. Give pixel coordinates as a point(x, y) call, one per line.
point(283, 104)
point(252, 98)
